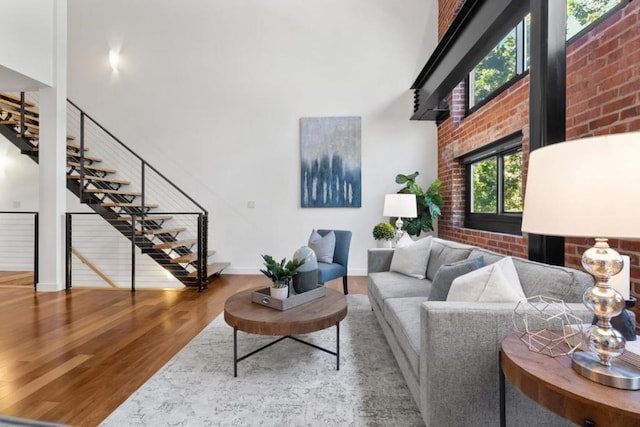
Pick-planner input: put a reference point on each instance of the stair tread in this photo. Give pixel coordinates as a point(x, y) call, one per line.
point(91, 167)
point(110, 191)
point(16, 105)
point(12, 111)
point(175, 244)
point(128, 205)
point(212, 269)
point(86, 156)
point(146, 217)
point(16, 99)
point(101, 179)
point(34, 136)
point(162, 231)
point(191, 257)
point(76, 146)
point(17, 122)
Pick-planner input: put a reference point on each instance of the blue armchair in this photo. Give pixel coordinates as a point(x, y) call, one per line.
point(339, 267)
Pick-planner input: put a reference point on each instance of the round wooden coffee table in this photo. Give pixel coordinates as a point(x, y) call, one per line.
point(243, 315)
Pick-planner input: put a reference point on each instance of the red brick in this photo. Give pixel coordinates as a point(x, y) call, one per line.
point(602, 80)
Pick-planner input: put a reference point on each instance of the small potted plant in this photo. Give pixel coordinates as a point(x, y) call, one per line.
point(280, 274)
point(383, 233)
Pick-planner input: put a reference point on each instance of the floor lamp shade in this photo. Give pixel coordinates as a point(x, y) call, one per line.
point(591, 188)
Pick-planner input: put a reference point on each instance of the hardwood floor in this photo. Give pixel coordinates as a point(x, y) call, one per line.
point(74, 357)
point(16, 278)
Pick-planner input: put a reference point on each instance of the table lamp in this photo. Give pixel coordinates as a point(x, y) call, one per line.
point(591, 188)
point(401, 206)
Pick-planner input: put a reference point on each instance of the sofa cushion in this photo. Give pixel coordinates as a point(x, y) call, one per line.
point(323, 247)
point(403, 316)
point(552, 281)
point(544, 279)
point(411, 257)
point(445, 252)
point(384, 285)
point(497, 282)
point(448, 272)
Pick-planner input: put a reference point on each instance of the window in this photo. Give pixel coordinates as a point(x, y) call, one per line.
point(509, 60)
point(582, 13)
point(494, 186)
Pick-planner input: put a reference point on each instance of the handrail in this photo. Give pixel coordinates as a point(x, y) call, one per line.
point(137, 156)
point(93, 268)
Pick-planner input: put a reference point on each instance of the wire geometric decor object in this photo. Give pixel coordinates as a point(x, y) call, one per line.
point(561, 327)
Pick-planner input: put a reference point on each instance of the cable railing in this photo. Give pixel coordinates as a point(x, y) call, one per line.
point(149, 195)
point(19, 243)
point(103, 254)
point(132, 196)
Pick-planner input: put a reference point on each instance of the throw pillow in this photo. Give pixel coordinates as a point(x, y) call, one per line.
point(448, 272)
point(496, 282)
point(411, 257)
point(323, 246)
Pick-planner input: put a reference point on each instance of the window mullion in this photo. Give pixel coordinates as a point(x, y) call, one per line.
point(500, 186)
point(520, 40)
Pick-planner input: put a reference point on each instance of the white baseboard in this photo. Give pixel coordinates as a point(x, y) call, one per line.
point(49, 287)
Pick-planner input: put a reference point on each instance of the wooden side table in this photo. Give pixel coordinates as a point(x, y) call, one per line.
point(552, 383)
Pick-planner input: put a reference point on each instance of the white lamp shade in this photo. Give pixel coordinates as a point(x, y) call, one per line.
point(400, 205)
point(585, 188)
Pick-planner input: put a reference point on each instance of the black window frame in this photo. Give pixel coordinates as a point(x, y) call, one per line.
point(521, 69)
point(501, 222)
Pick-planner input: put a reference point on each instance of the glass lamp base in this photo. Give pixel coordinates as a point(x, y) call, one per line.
point(618, 375)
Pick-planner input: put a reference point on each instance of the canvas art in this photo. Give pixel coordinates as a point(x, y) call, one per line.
point(330, 151)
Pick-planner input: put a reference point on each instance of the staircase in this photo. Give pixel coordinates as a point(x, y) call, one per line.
point(121, 197)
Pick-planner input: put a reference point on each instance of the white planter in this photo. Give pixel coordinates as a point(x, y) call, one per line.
point(384, 243)
point(279, 293)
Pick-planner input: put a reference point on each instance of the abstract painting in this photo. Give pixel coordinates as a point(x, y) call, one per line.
point(330, 174)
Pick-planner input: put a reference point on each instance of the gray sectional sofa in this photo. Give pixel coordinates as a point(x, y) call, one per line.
point(448, 351)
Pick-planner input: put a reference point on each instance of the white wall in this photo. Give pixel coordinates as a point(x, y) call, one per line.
point(211, 93)
point(26, 54)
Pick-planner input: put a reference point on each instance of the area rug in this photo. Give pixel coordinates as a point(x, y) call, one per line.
point(288, 384)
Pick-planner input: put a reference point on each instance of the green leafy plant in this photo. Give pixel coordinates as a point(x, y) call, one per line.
point(428, 204)
point(281, 272)
point(383, 231)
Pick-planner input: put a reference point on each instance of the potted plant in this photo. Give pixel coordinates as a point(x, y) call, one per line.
point(428, 204)
point(280, 274)
point(383, 233)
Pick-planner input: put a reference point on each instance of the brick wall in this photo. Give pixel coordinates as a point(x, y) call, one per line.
point(447, 10)
point(603, 96)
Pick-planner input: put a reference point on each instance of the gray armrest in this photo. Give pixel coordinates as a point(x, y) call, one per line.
point(459, 364)
point(379, 259)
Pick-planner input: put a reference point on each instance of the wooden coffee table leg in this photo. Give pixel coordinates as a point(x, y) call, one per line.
point(337, 346)
point(235, 352)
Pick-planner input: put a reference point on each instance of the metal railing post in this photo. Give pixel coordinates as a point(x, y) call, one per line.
point(36, 264)
point(68, 244)
point(205, 245)
point(22, 113)
point(201, 260)
point(133, 252)
point(81, 170)
point(142, 192)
